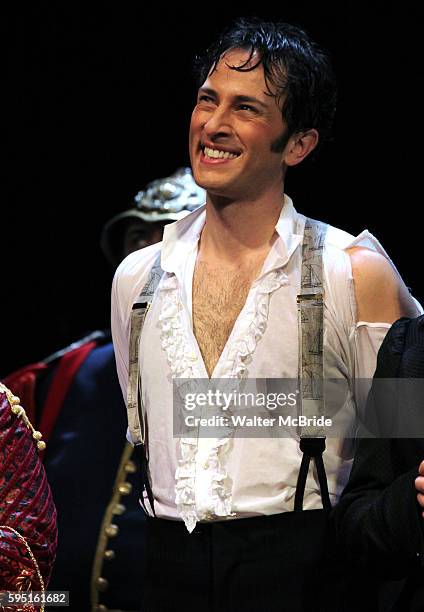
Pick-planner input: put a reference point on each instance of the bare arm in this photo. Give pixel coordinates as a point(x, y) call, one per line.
point(381, 295)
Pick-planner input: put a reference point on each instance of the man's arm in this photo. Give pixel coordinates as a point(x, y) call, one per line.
point(120, 331)
point(381, 295)
point(130, 277)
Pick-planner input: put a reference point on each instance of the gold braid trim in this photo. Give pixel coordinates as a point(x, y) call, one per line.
point(14, 402)
point(40, 577)
point(108, 529)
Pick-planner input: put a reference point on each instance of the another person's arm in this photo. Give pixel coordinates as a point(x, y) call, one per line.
point(378, 520)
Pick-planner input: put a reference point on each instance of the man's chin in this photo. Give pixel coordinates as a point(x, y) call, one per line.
point(215, 186)
point(219, 191)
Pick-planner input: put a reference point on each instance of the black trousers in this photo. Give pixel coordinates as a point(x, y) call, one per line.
point(275, 563)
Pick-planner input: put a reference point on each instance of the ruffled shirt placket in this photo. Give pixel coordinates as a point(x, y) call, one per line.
point(203, 489)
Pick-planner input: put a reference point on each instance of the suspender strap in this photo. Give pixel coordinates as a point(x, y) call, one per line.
point(135, 408)
point(312, 448)
point(144, 479)
point(311, 330)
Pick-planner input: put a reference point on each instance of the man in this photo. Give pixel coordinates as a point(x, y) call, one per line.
point(76, 401)
point(221, 531)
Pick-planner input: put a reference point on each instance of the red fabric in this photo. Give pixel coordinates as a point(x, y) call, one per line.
point(26, 505)
point(23, 384)
point(17, 570)
point(68, 366)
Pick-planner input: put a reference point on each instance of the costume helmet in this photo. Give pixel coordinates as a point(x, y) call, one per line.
point(165, 199)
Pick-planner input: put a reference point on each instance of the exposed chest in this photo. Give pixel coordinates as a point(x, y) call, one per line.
point(218, 297)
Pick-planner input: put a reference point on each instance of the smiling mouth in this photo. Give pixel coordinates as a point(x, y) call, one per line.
point(218, 153)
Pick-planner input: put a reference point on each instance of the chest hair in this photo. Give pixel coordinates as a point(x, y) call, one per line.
point(218, 296)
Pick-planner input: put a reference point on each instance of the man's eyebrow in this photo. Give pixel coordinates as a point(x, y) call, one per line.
point(239, 98)
point(250, 99)
point(207, 90)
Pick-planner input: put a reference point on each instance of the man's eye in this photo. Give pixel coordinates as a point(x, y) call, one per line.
point(205, 98)
point(247, 107)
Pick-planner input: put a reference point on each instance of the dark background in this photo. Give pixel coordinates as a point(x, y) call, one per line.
point(98, 103)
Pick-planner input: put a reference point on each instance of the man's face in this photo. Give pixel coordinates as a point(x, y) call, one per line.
point(233, 128)
point(139, 234)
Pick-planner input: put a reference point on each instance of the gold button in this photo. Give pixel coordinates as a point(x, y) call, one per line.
point(41, 445)
point(119, 509)
point(109, 554)
point(130, 467)
point(102, 584)
point(125, 488)
point(112, 530)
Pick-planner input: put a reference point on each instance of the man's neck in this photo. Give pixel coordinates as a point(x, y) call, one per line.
point(239, 231)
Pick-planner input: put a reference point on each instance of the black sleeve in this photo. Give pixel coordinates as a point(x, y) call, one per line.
point(378, 521)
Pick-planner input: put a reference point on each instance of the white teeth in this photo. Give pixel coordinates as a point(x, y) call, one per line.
point(215, 153)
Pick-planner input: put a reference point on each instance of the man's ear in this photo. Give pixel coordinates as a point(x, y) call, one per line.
point(299, 146)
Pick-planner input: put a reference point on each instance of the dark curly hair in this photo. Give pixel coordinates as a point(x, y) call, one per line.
point(295, 68)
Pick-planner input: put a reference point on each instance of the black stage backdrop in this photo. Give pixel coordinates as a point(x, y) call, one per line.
point(99, 99)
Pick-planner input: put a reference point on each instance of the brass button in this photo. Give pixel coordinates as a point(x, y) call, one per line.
point(119, 509)
point(109, 554)
point(130, 467)
point(102, 584)
point(112, 530)
point(125, 488)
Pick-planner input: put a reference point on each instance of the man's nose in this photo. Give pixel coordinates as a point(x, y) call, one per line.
point(219, 122)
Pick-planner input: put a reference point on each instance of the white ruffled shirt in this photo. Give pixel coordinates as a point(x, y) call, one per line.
point(208, 479)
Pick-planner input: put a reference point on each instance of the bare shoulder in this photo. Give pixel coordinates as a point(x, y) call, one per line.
point(381, 294)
